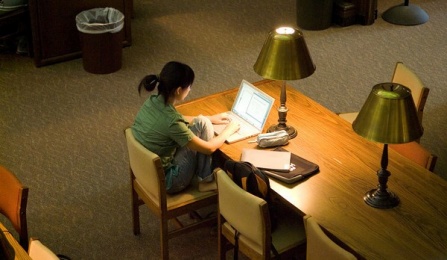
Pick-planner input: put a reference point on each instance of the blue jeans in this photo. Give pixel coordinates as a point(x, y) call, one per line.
point(190, 162)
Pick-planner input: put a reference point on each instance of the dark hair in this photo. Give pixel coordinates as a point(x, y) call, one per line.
point(173, 75)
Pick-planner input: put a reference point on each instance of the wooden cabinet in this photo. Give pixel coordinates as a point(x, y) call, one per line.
point(53, 26)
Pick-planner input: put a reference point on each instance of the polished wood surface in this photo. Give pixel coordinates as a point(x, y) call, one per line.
point(415, 229)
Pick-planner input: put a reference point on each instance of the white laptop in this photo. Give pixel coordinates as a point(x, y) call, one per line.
point(251, 110)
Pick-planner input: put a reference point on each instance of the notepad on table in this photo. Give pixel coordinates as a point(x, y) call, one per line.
point(267, 159)
point(300, 169)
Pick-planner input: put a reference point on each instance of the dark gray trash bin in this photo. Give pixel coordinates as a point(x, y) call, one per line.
point(314, 14)
point(101, 35)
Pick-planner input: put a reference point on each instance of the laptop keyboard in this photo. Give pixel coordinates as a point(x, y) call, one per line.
point(245, 128)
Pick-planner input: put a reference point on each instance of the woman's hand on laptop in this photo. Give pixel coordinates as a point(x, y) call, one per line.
point(220, 119)
point(231, 128)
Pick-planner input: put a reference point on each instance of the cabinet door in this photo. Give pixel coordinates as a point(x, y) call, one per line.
point(53, 26)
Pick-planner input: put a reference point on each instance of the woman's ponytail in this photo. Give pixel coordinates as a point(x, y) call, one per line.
point(173, 75)
point(149, 83)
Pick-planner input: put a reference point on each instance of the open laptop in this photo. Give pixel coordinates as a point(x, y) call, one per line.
point(250, 109)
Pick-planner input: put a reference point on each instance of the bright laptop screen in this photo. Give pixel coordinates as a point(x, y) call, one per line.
point(252, 104)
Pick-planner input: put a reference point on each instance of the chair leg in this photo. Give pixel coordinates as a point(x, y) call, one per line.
point(135, 212)
point(23, 234)
point(221, 240)
point(222, 248)
point(164, 238)
point(24, 243)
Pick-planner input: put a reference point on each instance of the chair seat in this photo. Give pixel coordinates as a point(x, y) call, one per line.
point(288, 229)
point(417, 153)
point(38, 251)
point(288, 234)
point(187, 196)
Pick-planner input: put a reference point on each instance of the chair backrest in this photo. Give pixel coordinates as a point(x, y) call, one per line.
point(247, 213)
point(417, 153)
point(13, 201)
point(320, 246)
point(405, 76)
point(146, 167)
point(38, 251)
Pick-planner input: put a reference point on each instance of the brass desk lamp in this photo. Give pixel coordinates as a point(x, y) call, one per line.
point(388, 116)
point(284, 56)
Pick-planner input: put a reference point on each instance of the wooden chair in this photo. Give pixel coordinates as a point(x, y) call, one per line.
point(320, 246)
point(148, 187)
point(13, 201)
point(249, 215)
point(405, 76)
point(417, 153)
point(10, 249)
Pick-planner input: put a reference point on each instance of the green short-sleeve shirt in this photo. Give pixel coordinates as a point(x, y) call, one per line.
point(161, 129)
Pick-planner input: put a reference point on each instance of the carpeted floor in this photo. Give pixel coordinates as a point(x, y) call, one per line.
point(61, 127)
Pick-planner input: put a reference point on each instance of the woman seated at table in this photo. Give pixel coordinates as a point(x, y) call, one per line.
point(184, 143)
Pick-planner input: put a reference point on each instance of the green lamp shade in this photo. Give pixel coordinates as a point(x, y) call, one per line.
point(284, 56)
point(388, 116)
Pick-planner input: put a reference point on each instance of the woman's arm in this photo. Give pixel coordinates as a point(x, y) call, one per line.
point(208, 147)
point(218, 119)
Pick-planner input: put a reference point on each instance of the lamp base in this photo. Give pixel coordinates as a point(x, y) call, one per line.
point(405, 15)
point(289, 129)
point(382, 200)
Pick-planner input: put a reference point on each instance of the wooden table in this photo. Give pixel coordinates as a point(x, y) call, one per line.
point(415, 229)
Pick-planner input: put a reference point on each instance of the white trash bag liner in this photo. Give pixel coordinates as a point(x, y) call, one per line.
point(100, 20)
